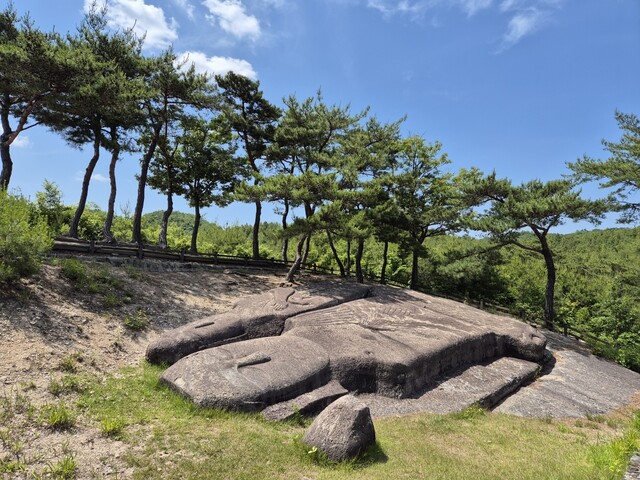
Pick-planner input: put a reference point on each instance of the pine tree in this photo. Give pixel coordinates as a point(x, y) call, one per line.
point(533, 206)
point(253, 120)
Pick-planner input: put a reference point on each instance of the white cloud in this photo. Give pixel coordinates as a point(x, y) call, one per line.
point(217, 65)
point(507, 5)
point(525, 16)
point(471, 7)
point(232, 18)
point(145, 19)
point(21, 141)
point(522, 24)
point(186, 6)
point(98, 177)
point(416, 8)
point(392, 7)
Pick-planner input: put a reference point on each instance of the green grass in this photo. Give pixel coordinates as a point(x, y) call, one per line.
point(57, 417)
point(67, 384)
point(95, 279)
point(69, 363)
point(209, 443)
point(136, 321)
point(112, 427)
point(63, 469)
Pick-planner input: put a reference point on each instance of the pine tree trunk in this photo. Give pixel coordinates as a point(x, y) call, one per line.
point(256, 231)
point(550, 289)
point(307, 247)
point(347, 265)
point(359, 254)
point(73, 231)
point(196, 227)
point(335, 254)
point(7, 164)
point(285, 239)
point(5, 147)
point(164, 225)
point(136, 236)
point(383, 272)
point(108, 222)
point(414, 269)
point(295, 266)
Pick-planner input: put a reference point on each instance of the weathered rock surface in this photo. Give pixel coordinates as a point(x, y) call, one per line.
point(252, 317)
point(306, 404)
point(484, 384)
point(577, 383)
point(250, 375)
point(343, 430)
point(397, 343)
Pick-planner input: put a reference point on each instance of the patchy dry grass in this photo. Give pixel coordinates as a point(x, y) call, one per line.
point(170, 438)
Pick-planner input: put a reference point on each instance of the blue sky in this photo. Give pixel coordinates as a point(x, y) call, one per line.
point(519, 86)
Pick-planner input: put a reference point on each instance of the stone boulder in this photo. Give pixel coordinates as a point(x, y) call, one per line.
point(252, 317)
point(343, 430)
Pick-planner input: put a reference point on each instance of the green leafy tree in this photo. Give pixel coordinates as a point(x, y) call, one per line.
point(207, 168)
point(253, 120)
point(310, 133)
point(121, 124)
point(365, 161)
point(33, 70)
point(621, 171)
point(100, 91)
point(171, 89)
point(427, 200)
point(163, 171)
point(534, 206)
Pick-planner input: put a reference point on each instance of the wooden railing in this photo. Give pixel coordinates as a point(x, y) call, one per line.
point(131, 250)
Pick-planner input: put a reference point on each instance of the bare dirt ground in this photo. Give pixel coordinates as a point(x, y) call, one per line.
point(49, 326)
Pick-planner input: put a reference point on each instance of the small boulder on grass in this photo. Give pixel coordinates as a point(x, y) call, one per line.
point(343, 430)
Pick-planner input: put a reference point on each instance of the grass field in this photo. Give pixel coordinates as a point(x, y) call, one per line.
point(169, 438)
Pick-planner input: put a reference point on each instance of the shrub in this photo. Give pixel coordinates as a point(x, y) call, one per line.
point(49, 206)
point(74, 270)
point(24, 238)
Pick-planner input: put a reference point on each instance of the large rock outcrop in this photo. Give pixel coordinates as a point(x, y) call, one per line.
point(396, 344)
point(252, 317)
